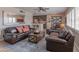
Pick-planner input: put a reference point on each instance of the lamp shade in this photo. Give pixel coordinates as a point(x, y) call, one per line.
point(62, 25)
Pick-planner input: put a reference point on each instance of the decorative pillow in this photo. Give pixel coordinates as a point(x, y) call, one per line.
point(19, 29)
point(25, 28)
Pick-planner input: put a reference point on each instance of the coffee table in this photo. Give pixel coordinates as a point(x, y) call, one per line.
point(35, 37)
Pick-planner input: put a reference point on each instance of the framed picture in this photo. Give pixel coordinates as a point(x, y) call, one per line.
point(20, 18)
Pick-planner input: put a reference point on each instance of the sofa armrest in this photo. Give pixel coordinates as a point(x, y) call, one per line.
point(9, 35)
point(56, 39)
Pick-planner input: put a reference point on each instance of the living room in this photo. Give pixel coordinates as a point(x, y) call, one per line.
point(38, 29)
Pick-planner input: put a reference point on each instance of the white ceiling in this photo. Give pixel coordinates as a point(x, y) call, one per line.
point(51, 10)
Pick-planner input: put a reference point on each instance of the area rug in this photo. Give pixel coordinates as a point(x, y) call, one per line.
point(23, 46)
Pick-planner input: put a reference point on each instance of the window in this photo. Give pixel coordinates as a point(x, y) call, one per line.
point(77, 19)
point(14, 19)
point(11, 20)
point(73, 19)
point(69, 19)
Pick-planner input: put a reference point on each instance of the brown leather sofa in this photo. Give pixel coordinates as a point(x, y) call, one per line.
point(63, 42)
point(14, 37)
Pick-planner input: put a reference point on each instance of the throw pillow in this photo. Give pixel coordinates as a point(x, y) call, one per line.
point(25, 28)
point(19, 29)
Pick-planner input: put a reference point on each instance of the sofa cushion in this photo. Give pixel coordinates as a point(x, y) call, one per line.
point(68, 36)
point(9, 29)
point(13, 31)
point(54, 34)
point(19, 29)
point(63, 34)
point(56, 39)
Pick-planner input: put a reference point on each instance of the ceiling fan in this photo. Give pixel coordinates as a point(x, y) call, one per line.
point(44, 9)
